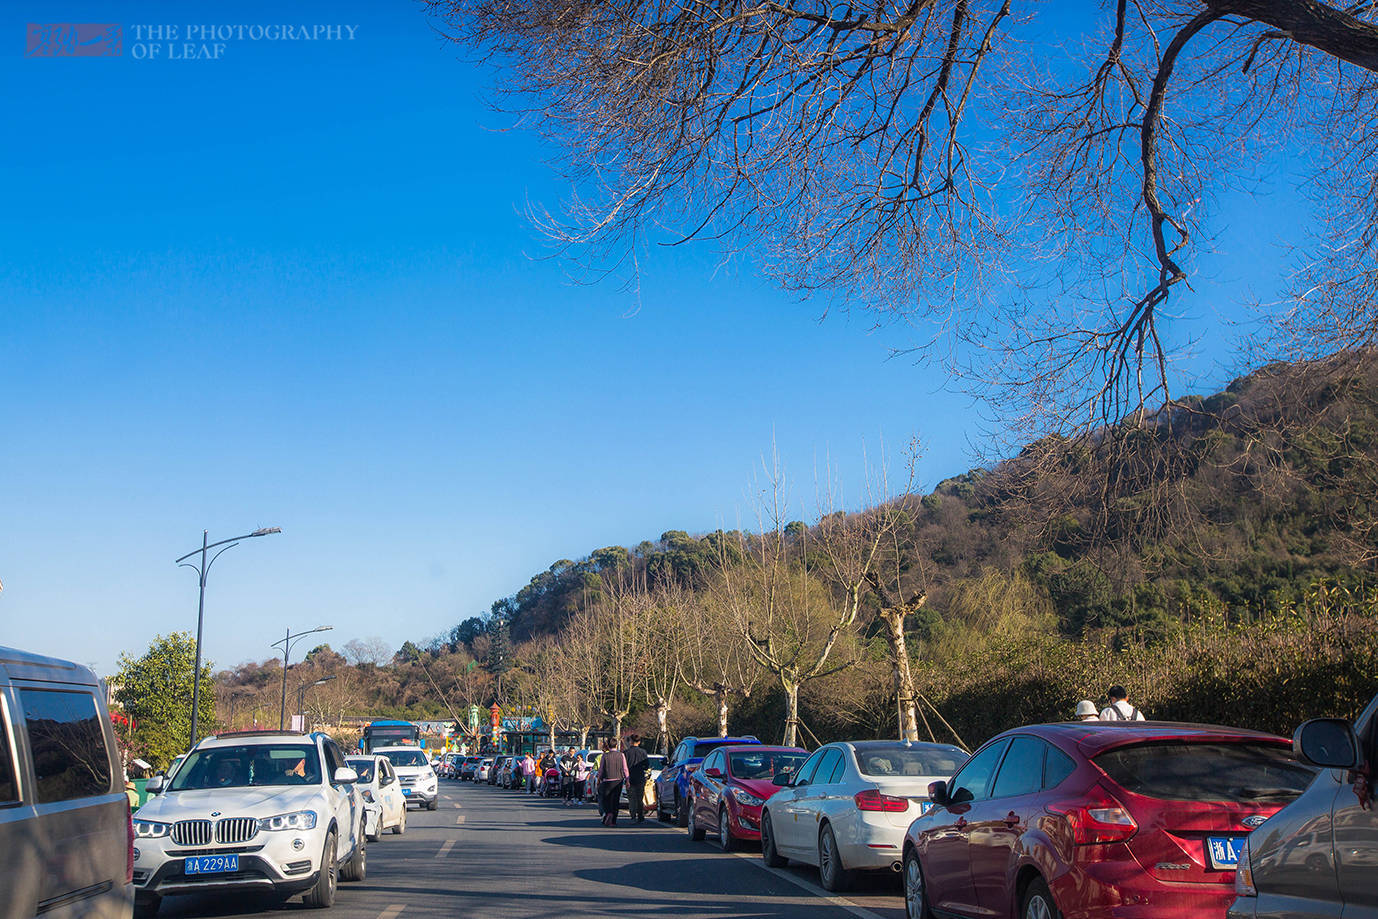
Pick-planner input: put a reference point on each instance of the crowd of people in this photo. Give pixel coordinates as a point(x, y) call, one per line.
point(566, 774)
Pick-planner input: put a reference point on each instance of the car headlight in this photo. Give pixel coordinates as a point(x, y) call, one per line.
point(742, 796)
point(299, 820)
point(147, 829)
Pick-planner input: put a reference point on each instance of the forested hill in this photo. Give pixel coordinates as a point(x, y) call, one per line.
point(1238, 503)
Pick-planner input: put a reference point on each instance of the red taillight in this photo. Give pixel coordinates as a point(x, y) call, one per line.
point(1096, 819)
point(129, 859)
point(872, 800)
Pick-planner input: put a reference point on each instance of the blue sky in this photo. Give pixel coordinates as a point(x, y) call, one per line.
point(292, 287)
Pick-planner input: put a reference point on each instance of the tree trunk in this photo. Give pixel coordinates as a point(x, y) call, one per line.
point(617, 728)
point(904, 676)
point(791, 688)
point(583, 736)
point(662, 722)
point(721, 696)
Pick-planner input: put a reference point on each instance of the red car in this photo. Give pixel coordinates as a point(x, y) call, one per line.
point(727, 791)
point(1093, 820)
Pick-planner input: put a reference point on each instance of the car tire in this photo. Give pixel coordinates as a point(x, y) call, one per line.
point(681, 811)
point(695, 833)
point(769, 854)
point(1037, 902)
point(725, 838)
point(434, 803)
point(831, 873)
point(660, 811)
point(146, 905)
point(915, 889)
point(401, 824)
point(356, 869)
point(322, 895)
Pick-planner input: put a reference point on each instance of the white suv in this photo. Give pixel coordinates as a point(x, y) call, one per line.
point(415, 773)
point(252, 811)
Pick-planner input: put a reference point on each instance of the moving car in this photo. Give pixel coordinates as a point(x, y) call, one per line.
point(253, 811)
point(1098, 820)
point(384, 803)
point(419, 784)
point(672, 785)
point(847, 807)
point(726, 795)
point(66, 844)
point(1318, 856)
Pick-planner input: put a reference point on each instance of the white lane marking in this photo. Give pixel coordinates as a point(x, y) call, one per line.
point(445, 848)
point(456, 804)
point(459, 819)
point(859, 911)
point(392, 912)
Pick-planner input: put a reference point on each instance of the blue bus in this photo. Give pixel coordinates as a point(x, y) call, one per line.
point(390, 734)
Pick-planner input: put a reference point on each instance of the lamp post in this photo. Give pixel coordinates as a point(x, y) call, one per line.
point(286, 644)
point(202, 570)
point(301, 695)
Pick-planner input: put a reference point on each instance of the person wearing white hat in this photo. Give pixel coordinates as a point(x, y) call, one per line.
point(1086, 711)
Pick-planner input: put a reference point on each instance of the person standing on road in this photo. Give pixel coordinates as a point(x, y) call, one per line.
point(529, 773)
point(638, 766)
point(612, 773)
point(1086, 711)
point(581, 776)
point(1119, 708)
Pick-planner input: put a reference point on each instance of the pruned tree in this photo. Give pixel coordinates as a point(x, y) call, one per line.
point(1032, 182)
point(716, 663)
point(607, 647)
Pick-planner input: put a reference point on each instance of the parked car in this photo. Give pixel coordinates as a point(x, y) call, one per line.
point(1098, 820)
point(66, 842)
point(449, 765)
point(253, 811)
point(381, 790)
point(593, 758)
point(672, 785)
point(1318, 856)
point(500, 764)
point(469, 767)
point(485, 767)
point(727, 793)
point(419, 785)
point(847, 807)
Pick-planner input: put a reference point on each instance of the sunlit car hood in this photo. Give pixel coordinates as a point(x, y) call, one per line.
point(262, 801)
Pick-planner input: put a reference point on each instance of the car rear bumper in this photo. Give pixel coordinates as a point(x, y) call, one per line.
point(870, 842)
point(1123, 891)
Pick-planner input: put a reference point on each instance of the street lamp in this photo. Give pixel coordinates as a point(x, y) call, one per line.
point(301, 695)
point(286, 644)
point(202, 570)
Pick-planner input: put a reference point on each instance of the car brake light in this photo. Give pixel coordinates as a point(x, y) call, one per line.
point(872, 800)
point(1097, 819)
point(129, 859)
point(1244, 874)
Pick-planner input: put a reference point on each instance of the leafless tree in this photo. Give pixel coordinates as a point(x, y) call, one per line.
point(606, 643)
point(665, 618)
point(1034, 198)
point(716, 662)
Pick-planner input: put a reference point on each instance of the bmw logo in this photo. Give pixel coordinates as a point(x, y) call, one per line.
point(1253, 820)
point(217, 814)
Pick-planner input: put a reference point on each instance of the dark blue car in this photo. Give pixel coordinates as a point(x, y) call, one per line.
point(672, 787)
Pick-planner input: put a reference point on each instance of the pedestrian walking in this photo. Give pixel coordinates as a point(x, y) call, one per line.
point(1086, 711)
point(1119, 708)
point(612, 774)
point(529, 772)
point(581, 776)
point(638, 768)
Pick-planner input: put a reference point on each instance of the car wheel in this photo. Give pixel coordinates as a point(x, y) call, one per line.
point(831, 872)
point(322, 895)
point(769, 854)
point(146, 905)
point(725, 831)
point(681, 811)
point(915, 893)
point(356, 869)
point(695, 834)
point(661, 815)
point(434, 803)
point(1038, 902)
point(401, 824)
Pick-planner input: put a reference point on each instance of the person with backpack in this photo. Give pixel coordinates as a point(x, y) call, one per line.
point(1119, 708)
point(612, 774)
point(638, 770)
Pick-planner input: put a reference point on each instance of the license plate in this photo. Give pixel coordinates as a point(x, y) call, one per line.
point(406, 791)
point(1223, 851)
point(925, 807)
point(210, 864)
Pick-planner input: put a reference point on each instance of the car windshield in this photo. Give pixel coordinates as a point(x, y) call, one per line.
point(912, 762)
point(362, 766)
point(251, 765)
point(764, 764)
point(406, 758)
point(655, 761)
point(1184, 771)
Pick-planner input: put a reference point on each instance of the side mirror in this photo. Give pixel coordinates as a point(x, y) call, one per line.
point(157, 784)
point(1327, 742)
point(783, 780)
point(937, 793)
point(346, 776)
point(714, 773)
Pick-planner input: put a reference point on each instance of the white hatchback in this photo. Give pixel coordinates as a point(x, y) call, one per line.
point(384, 802)
point(849, 805)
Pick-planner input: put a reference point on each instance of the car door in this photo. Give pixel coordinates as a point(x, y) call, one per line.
point(1356, 831)
point(343, 800)
point(388, 794)
point(665, 786)
point(708, 790)
point(808, 806)
point(945, 848)
point(784, 809)
point(995, 824)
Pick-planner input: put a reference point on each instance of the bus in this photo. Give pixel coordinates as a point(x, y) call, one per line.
point(390, 734)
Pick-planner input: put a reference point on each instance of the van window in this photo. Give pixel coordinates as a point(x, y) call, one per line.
point(68, 744)
point(9, 788)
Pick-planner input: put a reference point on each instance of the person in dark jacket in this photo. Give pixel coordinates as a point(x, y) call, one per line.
point(638, 768)
point(612, 773)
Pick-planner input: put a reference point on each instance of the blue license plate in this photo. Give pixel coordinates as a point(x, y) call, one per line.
point(406, 791)
point(210, 864)
point(1223, 851)
point(925, 807)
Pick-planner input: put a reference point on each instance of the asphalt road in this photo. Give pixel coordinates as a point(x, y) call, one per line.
point(498, 854)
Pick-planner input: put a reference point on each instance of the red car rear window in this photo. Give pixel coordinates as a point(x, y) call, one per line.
point(1185, 771)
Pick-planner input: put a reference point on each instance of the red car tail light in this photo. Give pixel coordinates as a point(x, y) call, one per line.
point(1096, 819)
point(872, 800)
